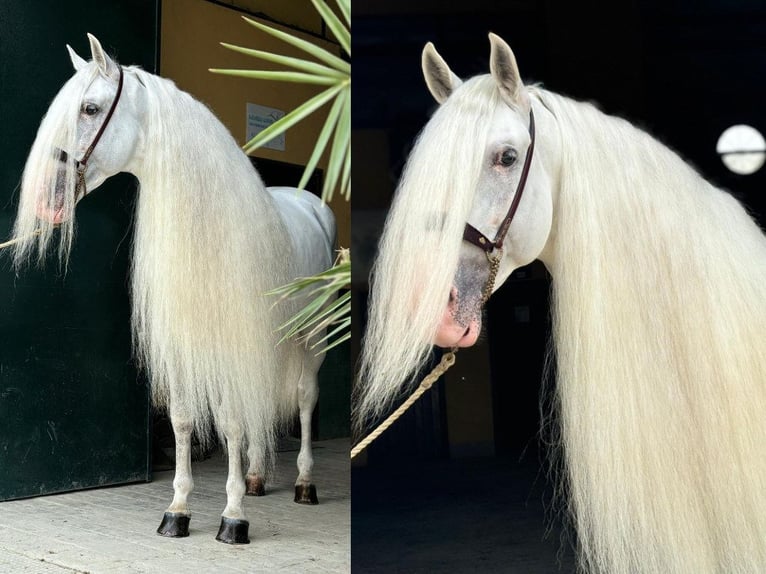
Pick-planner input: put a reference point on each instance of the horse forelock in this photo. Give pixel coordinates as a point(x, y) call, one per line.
point(419, 250)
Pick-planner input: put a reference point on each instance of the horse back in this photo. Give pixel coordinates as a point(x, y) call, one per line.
point(310, 224)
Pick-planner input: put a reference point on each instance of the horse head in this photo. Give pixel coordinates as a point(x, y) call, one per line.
point(504, 152)
point(103, 139)
point(429, 284)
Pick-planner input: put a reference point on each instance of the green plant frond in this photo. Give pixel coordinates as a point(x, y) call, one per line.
point(287, 121)
point(341, 32)
point(345, 182)
point(345, 9)
point(331, 317)
point(321, 311)
point(303, 316)
point(297, 63)
point(319, 53)
point(342, 326)
point(321, 143)
point(336, 276)
point(327, 312)
point(295, 77)
point(337, 152)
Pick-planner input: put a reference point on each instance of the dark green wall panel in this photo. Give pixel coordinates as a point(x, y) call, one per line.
point(73, 410)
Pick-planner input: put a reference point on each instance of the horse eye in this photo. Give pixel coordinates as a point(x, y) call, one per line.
point(90, 109)
point(507, 157)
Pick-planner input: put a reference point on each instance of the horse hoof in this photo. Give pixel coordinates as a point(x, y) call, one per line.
point(255, 485)
point(233, 531)
point(174, 525)
point(306, 494)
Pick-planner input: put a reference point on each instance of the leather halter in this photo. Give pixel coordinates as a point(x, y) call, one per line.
point(493, 249)
point(476, 237)
point(82, 164)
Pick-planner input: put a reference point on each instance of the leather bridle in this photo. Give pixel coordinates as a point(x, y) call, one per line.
point(493, 248)
point(82, 164)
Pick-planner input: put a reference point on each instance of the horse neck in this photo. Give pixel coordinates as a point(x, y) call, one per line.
point(618, 182)
point(202, 206)
point(193, 169)
point(639, 234)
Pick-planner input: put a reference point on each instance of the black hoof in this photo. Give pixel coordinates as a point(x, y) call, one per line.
point(255, 485)
point(233, 531)
point(306, 494)
point(174, 525)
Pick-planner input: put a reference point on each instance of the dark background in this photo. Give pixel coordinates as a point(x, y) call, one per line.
point(684, 71)
point(74, 413)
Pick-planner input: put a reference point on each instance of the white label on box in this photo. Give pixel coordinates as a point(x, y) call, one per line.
point(259, 118)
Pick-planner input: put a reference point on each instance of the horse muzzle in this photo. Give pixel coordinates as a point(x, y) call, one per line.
point(460, 324)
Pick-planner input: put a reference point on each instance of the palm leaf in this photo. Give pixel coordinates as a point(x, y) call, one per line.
point(341, 32)
point(319, 53)
point(297, 63)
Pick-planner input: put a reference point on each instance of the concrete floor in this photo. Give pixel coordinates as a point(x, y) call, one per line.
point(112, 530)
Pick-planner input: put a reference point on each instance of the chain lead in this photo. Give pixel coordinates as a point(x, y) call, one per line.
point(494, 265)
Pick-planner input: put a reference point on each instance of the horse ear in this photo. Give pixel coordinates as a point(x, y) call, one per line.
point(105, 64)
point(77, 61)
point(439, 78)
point(502, 65)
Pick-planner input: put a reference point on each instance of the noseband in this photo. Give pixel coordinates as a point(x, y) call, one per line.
point(493, 249)
point(82, 164)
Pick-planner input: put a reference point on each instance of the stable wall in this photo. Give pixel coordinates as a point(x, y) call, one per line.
point(73, 409)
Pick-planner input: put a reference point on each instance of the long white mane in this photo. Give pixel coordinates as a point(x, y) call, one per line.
point(659, 290)
point(208, 245)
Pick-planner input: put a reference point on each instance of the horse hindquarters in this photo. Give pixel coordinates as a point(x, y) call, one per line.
point(301, 391)
point(308, 393)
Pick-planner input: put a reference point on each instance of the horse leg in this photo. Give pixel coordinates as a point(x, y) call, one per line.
point(308, 392)
point(175, 522)
point(255, 480)
point(234, 526)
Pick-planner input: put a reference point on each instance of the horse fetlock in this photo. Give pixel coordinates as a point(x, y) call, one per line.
point(255, 485)
point(234, 511)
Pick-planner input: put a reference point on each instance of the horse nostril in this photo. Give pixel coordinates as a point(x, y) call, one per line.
point(452, 295)
point(468, 330)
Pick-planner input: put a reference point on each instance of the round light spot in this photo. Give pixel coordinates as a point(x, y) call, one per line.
point(742, 149)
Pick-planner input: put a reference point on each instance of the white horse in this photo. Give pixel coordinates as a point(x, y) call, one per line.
point(659, 313)
point(210, 241)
